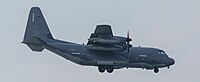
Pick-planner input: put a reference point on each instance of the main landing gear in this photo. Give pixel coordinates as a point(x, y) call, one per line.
point(102, 69)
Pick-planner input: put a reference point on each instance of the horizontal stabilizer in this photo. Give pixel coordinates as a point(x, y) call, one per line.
point(37, 48)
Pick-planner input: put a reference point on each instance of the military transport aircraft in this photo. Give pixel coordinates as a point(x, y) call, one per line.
point(103, 50)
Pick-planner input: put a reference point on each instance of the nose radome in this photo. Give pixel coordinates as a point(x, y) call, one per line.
point(172, 61)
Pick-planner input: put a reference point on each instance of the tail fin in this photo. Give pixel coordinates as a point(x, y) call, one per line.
point(37, 30)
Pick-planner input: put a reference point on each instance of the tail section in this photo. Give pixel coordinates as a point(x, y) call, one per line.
point(37, 31)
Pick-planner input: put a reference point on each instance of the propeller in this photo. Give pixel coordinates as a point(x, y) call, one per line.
point(128, 45)
point(128, 41)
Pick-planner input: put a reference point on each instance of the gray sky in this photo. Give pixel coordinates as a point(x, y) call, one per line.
point(172, 25)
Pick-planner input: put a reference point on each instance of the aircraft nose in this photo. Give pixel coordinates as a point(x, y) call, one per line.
point(171, 61)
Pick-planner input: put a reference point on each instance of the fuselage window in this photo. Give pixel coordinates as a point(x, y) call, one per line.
point(161, 52)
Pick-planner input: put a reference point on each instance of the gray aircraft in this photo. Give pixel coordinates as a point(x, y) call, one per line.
point(103, 49)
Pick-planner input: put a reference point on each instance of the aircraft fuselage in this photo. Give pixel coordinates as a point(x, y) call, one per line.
point(138, 57)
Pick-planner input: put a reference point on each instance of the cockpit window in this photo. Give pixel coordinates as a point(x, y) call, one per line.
point(161, 52)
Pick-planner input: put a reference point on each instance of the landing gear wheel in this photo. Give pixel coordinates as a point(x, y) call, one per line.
point(110, 70)
point(156, 70)
point(101, 70)
point(168, 67)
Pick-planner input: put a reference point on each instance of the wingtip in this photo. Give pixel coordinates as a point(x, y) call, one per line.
point(35, 8)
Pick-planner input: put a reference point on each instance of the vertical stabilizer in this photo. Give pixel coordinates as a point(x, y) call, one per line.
point(37, 31)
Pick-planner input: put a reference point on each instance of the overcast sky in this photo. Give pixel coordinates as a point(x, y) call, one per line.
point(172, 25)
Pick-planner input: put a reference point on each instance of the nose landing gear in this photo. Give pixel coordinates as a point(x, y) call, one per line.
point(156, 70)
point(168, 67)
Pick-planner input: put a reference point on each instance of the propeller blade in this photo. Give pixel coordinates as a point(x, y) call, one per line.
point(128, 34)
point(128, 42)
